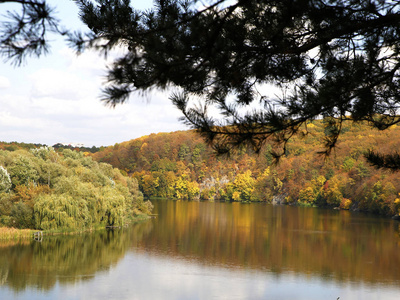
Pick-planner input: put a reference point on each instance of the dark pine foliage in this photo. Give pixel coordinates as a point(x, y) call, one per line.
point(386, 161)
point(25, 33)
point(333, 59)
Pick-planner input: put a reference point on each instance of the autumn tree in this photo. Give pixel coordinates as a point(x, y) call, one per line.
point(242, 187)
point(344, 180)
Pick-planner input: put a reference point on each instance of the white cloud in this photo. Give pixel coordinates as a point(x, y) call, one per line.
point(88, 63)
point(56, 99)
point(4, 82)
point(59, 84)
point(60, 103)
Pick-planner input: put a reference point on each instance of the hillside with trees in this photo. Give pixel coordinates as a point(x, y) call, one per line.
point(13, 146)
point(47, 190)
point(180, 165)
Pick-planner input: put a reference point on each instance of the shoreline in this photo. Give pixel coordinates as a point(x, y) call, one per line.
point(15, 234)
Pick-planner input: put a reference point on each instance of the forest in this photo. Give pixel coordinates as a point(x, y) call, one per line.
point(12, 146)
point(66, 190)
point(180, 165)
point(63, 189)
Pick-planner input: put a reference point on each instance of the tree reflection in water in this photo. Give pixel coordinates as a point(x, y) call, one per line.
point(337, 246)
point(63, 259)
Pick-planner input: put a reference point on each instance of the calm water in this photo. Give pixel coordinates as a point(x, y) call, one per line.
point(202, 250)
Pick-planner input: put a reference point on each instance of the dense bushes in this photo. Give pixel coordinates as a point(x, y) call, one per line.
point(45, 190)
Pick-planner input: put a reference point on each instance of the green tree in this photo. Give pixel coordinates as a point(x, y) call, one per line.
point(115, 214)
point(348, 163)
point(50, 191)
point(23, 170)
point(22, 216)
point(61, 211)
point(45, 153)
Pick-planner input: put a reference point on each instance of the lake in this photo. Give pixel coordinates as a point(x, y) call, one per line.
point(206, 250)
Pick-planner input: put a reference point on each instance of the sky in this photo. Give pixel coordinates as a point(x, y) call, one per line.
point(55, 98)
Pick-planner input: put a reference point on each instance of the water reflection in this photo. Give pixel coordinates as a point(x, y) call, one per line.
point(193, 250)
point(63, 259)
point(336, 245)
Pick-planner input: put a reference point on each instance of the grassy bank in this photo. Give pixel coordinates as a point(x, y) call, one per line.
point(7, 234)
point(15, 234)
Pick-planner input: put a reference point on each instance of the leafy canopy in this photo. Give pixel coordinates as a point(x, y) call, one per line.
point(333, 59)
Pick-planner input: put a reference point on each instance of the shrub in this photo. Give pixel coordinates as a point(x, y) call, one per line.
point(22, 216)
point(345, 203)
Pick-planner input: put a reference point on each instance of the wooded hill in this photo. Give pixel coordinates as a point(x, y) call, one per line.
point(13, 146)
point(180, 165)
point(43, 189)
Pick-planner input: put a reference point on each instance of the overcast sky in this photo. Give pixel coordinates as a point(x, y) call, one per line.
point(56, 98)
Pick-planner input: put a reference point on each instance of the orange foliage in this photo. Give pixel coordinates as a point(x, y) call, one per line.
point(335, 180)
point(26, 193)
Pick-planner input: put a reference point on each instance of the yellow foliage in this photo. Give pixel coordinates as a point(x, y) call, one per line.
point(345, 203)
point(266, 173)
point(311, 125)
point(319, 182)
point(236, 196)
point(144, 146)
point(193, 189)
point(307, 195)
point(244, 185)
point(7, 233)
point(397, 204)
point(27, 193)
